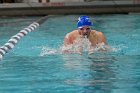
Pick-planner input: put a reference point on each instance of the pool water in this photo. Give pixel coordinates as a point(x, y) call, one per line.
point(36, 64)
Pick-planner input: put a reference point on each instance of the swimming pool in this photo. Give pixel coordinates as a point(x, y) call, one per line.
point(36, 64)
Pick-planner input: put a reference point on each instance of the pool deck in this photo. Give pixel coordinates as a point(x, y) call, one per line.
point(95, 7)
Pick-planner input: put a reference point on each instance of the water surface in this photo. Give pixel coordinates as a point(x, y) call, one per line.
point(36, 64)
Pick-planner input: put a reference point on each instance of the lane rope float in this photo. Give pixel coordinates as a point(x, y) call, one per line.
point(14, 39)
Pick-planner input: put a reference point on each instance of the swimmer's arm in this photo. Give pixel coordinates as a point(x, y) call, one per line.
point(105, 42)
point(103, 38)
point(67, 40)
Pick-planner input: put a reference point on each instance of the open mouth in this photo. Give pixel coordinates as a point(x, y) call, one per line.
point(85, 34)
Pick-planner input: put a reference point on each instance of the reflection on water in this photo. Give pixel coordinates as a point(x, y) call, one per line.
point(97, 73)
point(92, 71)
point(104, 73)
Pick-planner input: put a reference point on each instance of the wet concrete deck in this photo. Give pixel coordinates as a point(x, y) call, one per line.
point(96, 7)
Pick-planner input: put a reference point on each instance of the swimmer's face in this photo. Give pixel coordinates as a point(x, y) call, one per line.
point(84, 30)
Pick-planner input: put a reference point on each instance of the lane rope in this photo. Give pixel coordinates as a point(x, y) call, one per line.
point(14, 39)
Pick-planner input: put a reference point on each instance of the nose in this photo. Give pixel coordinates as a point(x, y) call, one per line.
point(85, 30)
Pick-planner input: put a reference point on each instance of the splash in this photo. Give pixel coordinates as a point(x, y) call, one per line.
point(117, 48)
point(48, 51)
point(81, 45)
point(85, 46)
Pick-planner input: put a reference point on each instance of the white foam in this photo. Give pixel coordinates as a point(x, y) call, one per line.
point(101, 47)
point(48, 51)
point(117, 48)
point(85, 46)
point(82, 45)
point(79, 45)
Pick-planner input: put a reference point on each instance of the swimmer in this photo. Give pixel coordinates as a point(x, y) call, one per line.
point(84, 31)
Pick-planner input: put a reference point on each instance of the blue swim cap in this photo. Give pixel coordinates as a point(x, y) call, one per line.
point(83, 21)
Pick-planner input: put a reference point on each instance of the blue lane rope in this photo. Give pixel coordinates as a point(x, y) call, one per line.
point(14, 39)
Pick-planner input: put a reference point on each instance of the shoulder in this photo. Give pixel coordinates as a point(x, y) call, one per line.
point(70, 37)
point(97, 32)
point(71, 34)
